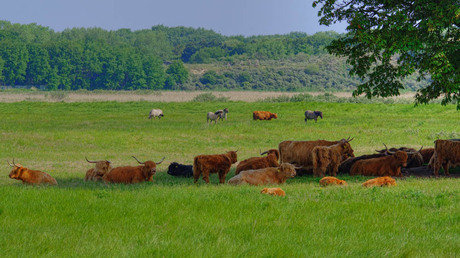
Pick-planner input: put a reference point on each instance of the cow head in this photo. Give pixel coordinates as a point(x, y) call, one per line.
point(319, 113)
point(273, 115)
point(102, 166)
point(272, 152)
point(17, 170)
point(347, 150)
point(149, 169)
point(232, 156)
point(287, 169)
point(401, 157)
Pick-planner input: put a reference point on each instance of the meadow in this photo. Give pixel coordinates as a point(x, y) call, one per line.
point(174, 217)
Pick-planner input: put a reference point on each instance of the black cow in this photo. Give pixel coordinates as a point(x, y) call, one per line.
point(176, 169)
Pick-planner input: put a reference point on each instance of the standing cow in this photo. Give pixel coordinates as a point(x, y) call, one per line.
point(328, 158)
point(300, 153)
point(263, 115)
point(446, 153)
point(96, 174)
point(309, 115)
point(208, 164)
point(29, 176)
point(156, 113)
point(130, 175)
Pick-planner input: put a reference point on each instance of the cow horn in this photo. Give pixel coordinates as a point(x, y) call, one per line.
point(90, 160)
point(138, 160)
point(16, 165)
point(159, 162)
point(237, 150)
point(388, 151)
point(262, 153)
point(10, 164)
point(108, 161)
point(414, 152)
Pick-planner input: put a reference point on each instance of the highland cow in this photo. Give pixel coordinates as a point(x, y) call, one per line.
point(271, 160)
point(330, 180)
point(446, 154)
point(264, 176)
point(328, 158)
point(208, 164)
point(273, 191)
point(29, 176)
point(96, 174)
point(263, 115)
point(131, 175)
point(380, 181)
point(384, 166)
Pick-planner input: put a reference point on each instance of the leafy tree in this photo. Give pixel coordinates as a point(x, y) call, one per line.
point(392, 39)
point(176, 74)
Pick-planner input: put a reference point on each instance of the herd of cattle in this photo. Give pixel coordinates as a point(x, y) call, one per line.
point(292, 158)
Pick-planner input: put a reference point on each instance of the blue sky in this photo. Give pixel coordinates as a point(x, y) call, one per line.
point(235, 17)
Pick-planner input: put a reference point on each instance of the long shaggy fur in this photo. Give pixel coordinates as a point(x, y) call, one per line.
point(446, 154)
point(328, 158)
point(33, 177)
point(383, 166)
point(273, 191)
point(427, 154)
point(330, 180)
point(131, 175)
point(264, 176)
point(263, 115)
point(208, 164)
point(96, 174)
point(345, 167)
point(271, 160)
point(380, 181)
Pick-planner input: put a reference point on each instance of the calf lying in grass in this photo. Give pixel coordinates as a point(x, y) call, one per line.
point(380, 181)
point(28, 176)
point(330, 180)
point(264, 176)
point(273, 191)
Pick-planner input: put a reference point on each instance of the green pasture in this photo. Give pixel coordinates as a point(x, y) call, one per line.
point(174, 217)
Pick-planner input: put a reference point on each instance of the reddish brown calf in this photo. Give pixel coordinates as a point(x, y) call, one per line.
point(264, 176)
point(273, 191)
point(380, 181)
point(96, 174)
point(263, 115)
point(28, 176)
point(330, 180)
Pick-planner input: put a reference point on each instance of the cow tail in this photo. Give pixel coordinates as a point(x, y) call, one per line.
point(196, 169)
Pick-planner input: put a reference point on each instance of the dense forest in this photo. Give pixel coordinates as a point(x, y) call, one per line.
point(177, 58)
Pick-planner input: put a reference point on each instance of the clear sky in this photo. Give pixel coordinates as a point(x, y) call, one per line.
point(229, 17)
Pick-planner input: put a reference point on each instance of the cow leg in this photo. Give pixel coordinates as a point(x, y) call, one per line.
point(196, 176)
point(206, 176)
point(446, 168)
point(222, 175)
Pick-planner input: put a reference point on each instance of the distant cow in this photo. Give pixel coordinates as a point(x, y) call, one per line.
point(28, 176)
point(96, 174)
point(179, 170)
point(446, 154)
point(222, 113)
point(330, 180)
point(300, 153)
point(273, 191)
point(264, 176)
point(271, 160)
point(213, 116)
point(263, 115)
point(384, 166)
point(380, 181)
point(309, 115)
point(156, 113)
point(414, 158)
point(328, 158)
point(208, 164)
point(427, 154)
point(130, 175)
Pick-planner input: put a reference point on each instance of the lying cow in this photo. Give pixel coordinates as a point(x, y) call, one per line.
point(328, 158)
point(414, 158)
point(309, 115)
point(28, 176)
point(345, 167)
point(156, 113)
point(446, 153)
point(130, 175)
point(273, 191)
point(96, 174)
point(384, 166)
point(380, 181)
point(263, 115)
point(271, 160)
point(330, 180)
point(208, 164)
point(264, 176)
point(179, 170)
point(427, 154)
point(300, 153)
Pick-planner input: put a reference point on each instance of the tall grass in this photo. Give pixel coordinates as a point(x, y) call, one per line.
point(174, 217)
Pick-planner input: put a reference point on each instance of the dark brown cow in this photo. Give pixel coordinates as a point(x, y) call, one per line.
point(263, 115)
point(264, 176)
point(300, 153)
point(96, 174)
point(208, 164)
point(427, 154)
point(271, 160)
point(446, 153)
point(28, 176)
point(379, 182)
point(130, 175)
point(383, 166)
point(414, 157)
point(328, 158)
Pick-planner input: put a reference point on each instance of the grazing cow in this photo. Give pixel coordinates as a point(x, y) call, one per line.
point(208, 164)
point(309, 115)
point(263, 115)
point(330, 180)
point(446, 153)
point(300, 153)
point(264, 176)
point(156, 113)
point(273, 191)
point(28, 176)
point(179, 170)
point(222, 113)
point(328, 158)
point(427, 154)
point(271, 160)
point(414, 158)
point(383, 166)
point(96, 174)
point(130, 175)
point(213, 116)
point(345, 167)
point(380, 181)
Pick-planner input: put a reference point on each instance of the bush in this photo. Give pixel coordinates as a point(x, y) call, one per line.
point(209, 97)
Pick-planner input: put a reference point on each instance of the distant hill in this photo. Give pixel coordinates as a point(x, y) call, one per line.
point(177, 58)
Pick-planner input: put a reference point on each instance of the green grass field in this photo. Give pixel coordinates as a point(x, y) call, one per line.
point(174, 217)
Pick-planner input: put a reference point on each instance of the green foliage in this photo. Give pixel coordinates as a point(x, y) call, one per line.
point(209, 97)
point(176, 74)
point(388, 41)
